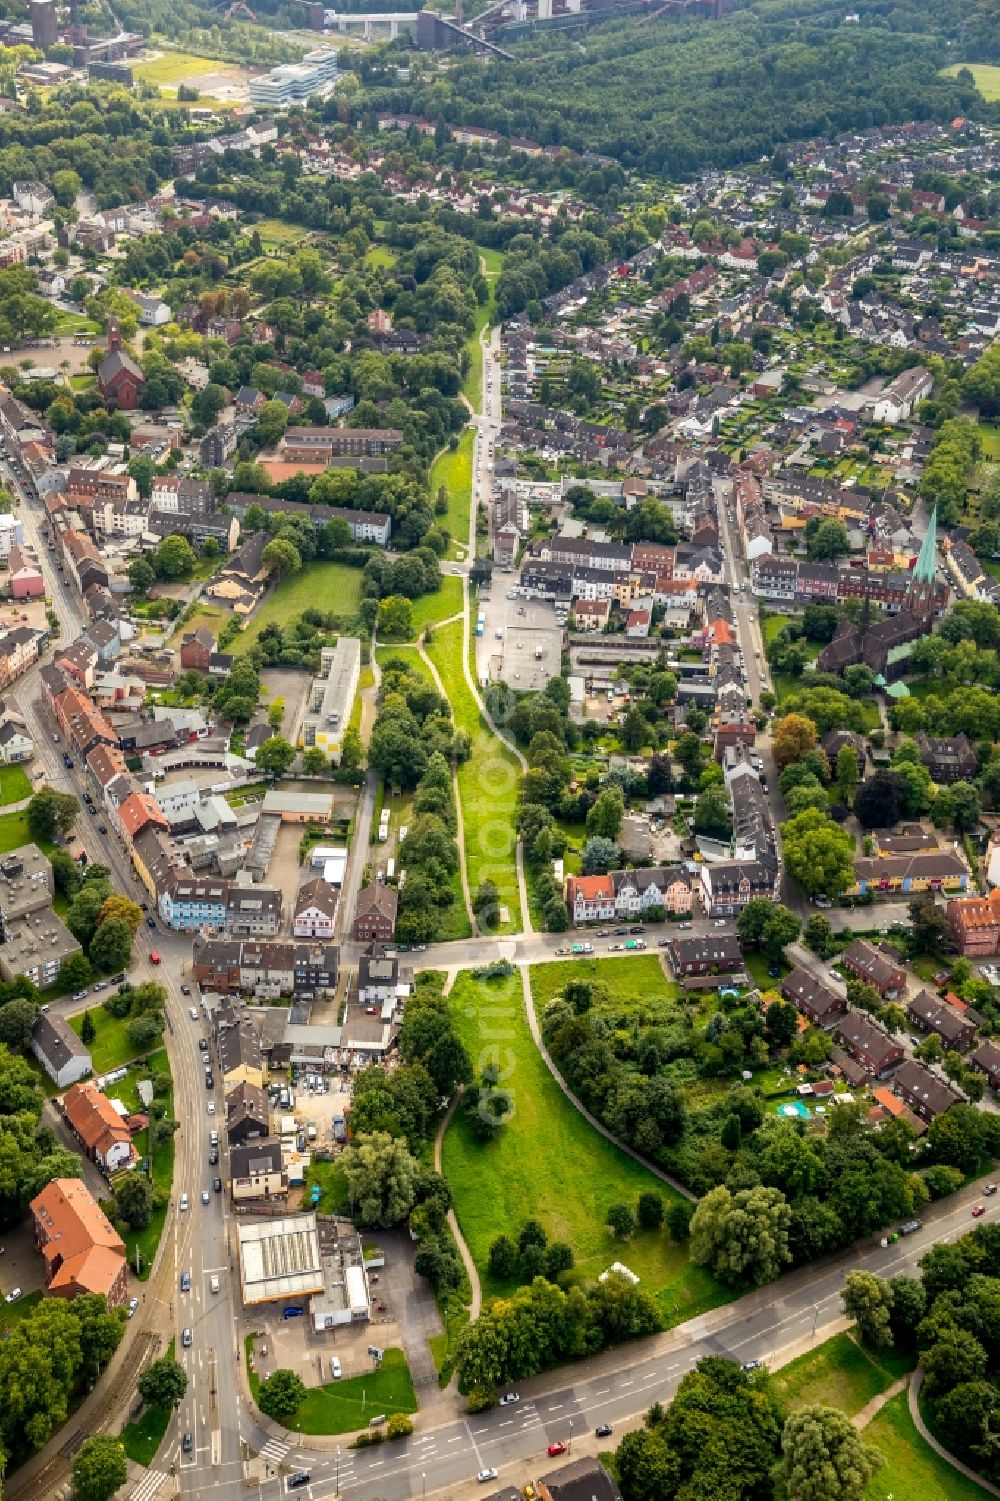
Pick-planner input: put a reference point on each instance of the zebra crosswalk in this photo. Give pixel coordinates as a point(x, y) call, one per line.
point(147, 1486)
point(274, 1450)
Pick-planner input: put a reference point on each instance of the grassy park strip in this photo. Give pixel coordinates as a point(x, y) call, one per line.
point(912, 1470)
point(143, 1437)
point(453, 469)
point(487, 782)
point(549, 1163)
point(839, 1373)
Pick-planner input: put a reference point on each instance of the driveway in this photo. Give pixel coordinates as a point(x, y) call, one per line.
point(410, 1303)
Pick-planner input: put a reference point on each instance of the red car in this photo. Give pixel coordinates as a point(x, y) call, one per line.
point(154, 957)
point(555, 1449)
point(978, 1210)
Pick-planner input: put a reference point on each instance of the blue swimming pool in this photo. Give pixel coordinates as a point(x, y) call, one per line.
point(793, 1107)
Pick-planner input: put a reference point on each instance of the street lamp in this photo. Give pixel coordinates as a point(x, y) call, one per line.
point(423, 1483)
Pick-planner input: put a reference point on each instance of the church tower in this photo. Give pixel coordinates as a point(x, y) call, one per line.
point(920, 599)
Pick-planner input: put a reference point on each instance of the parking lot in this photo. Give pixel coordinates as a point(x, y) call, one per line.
point(318, 1108)
point(527, 651)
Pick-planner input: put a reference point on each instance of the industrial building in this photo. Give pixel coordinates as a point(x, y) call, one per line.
point(294, 82)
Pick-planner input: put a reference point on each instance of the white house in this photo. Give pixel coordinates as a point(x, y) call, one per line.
point(153, 311)
point(900, 396)
point(15, 743)
point(59, 1050)
point(315, 910)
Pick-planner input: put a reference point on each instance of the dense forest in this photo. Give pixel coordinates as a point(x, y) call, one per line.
point(671, 96)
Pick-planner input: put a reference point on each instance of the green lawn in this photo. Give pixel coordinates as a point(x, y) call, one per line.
point(487, 782)
point(633, 984)
point(13, 1313)
point(278, 232)
point(202, 615)
point(987, 77)
point(146, 1241)
point(380, 255)
point(332, 1182)
point(172, 68)
point(14, 784)
point(13, 831)
point(405, 652)
point(351, 1403)
point(838, 1373)
point(453, 470)
point(142, 1438)
point(989, 432)
point(550, 1164)
point(472, 385)
point(912, 1471)
point(321, 586)
point(111, 1047)
point(441, 605)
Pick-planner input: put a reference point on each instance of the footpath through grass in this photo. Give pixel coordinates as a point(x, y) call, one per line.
point(453, 470)
point(441, 605)
point(839, 1373)
point(487, 783)
point(351, 1403)
point(912, 1470)
point(549, 1163)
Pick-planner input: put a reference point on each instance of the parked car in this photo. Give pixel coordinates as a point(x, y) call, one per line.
point(989, 1190)
point(186, 990)
point(751, 1365)
point(217, 1185)
point(336, 1369)
point(133, 1304)
point(556, 1448)
point(483, 1477)
point(211, 1107)
point(603, 1430)
point(508, 1398)
point(910, 1227)
point(204, 1196)
point(213, 1156)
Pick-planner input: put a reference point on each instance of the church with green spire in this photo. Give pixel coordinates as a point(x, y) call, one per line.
point(885, 646)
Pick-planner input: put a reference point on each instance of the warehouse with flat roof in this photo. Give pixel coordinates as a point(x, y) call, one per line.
point(280, 1260)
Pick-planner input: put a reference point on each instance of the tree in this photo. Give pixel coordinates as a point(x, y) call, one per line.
point(134, 1197)
point(743, 1236)
point(281, 1395)
point(395, 617)
point(122, 907)
point(767, 925)
point(620, 1221)
point(818, 936)
point(142, 575)
point(207, 404)
point(634, 731)
point(846, 774)
point(74, 972)
point(274, 756)
point(163, 1382)
point(713, 814)
point(505, 1259)
point(111, 945)
point(819, 856)
point(271, 423)
point(649, 1211)
point(99, 1468)
point(174, 558)
point(829, 539)
point(792, 737)
point(381, 1179)
point(50, 813)
point(605, 816)
point(314, 762)
point(868, 1301)
point(143, 1031)
point(781, 1023)
point(599, 856)
point(824, 1457)
point(929, 930)
point(17, 1021)
point(282, 558)
point(87, 1029)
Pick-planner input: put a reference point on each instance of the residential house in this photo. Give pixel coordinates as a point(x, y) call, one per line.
point(98, 1127)
point(198, 654)
point(975, 924)
point(59, 1050)
point(582, 1479)
point(16, 744)
point(26, 579)
point(638, 892)
point(987, 1059)
point(257, 1172)
point(924, 870)
point(375, 914)
point(712, 954)
point(867, 1044)
point(817, 1002)
point(925, 1093)
point(378, 978)
point(315, 909)
point(247, 1114)
point(590, 898)
point(947, 758)
point(82, 1251)
point(929, 1013)
point(876, 967)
